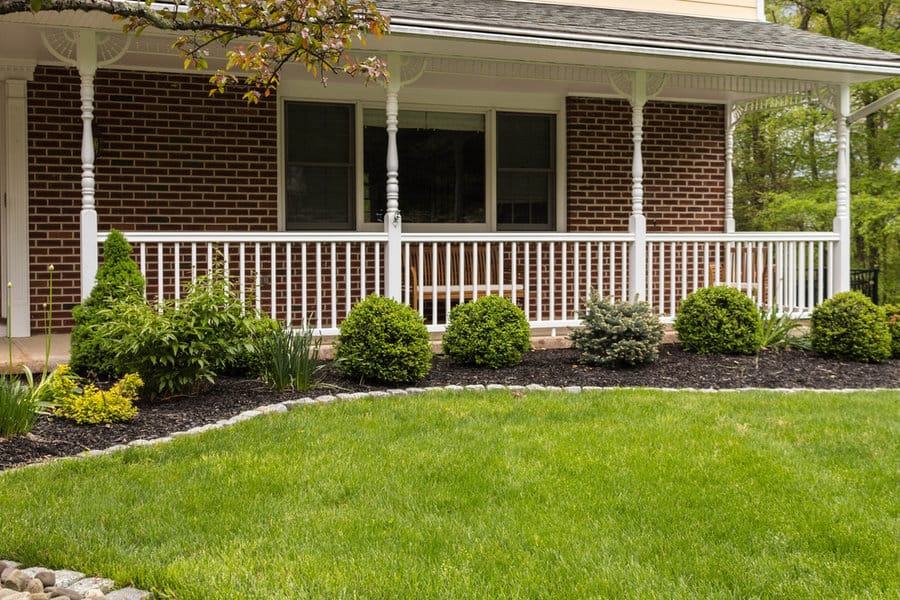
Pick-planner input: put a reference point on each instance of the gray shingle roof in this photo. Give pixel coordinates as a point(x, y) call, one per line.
point(558, 22)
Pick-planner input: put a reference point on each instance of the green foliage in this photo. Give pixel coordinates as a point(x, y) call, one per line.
point(720, 320)
point(849, 325)
point(91, 406)
point(383, 340)
point(777, 329)
point(489, 332)
point(17, 407)
point(892, 312)
point(118, 280)
point(617, 333)
point(180, 347)
point(289, 358)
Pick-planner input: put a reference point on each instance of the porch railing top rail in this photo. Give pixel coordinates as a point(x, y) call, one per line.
point(507, 237)
point(746, 236)
point(249, 236)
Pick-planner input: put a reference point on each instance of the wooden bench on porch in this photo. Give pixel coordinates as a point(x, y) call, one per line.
point(465, 273)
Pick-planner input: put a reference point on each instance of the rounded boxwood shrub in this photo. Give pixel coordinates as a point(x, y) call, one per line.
point(384, 340)
point(617, 333)
point(849, 325)
point(489, 332)
point(892, 311)
point(118, 280)
point(719, 320)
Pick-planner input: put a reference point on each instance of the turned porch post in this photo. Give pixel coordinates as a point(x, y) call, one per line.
point(841, 258)
point(637, 222)
point(392, 220)
point(729, 168)
point(87, 68)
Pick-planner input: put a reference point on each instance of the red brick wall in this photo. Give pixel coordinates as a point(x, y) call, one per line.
point(684, 165)
point(171, 158)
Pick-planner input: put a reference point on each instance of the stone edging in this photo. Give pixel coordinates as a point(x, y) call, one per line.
point(38, 583)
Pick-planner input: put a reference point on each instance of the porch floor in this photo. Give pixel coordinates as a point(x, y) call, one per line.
point(30, 352)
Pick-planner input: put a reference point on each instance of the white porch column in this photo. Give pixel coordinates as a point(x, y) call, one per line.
point(15, 198)
point(637, 222)
point(87, 68)
point(729, 168)
point(841, 259)
point(392, 221)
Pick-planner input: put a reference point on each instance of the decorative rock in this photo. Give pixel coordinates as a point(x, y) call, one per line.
point(454, 388)
point(8, 564)
point(62, 592)
point(115, 448)
point(434, 388)
point(573, 389)
point(41, 596)
point(34, 586)
point(7, 594)
point(15, 579)
point(140, 442)
point(92, 583)
point(496, 386)
point(379, 394)
point(94, 594)
point(396, 392)
point(325, 398)
point(415, 390)
point(128, 593)
point(66, 578)
point(534, 386)
point(5, 573)
point(475, 388)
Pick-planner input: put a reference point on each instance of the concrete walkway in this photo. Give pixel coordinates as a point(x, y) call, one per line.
point(30, 352)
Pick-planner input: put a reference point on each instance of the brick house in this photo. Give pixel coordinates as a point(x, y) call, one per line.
point(543, 149)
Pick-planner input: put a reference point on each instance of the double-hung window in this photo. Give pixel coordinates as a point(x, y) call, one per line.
point(443, 167)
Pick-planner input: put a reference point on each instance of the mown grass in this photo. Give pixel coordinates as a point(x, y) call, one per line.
point(630, 494)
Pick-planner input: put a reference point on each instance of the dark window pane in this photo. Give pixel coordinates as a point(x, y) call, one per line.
point(442, 176)
point(526, 170)
point(319, 167)
point(525, 141)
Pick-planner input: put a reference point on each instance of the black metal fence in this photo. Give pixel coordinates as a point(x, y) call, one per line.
point(865, 281)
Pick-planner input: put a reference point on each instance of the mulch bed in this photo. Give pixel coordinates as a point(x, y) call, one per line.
point(674, 369)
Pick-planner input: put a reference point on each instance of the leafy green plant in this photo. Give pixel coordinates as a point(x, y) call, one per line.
point(17, 408)
point(489, 332)
point(289, 358)
point(180, 347)
point(719, 319)
point(118, 280)
point(90, 405)
point(383, 340)
point(850, 325)
point(892, 312)
point(777, 329)
point(617, 333)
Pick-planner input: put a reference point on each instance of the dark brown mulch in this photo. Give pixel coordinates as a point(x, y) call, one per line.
point(675, 368)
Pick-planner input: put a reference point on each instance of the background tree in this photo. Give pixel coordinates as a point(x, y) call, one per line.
point(260, 37)
point(785, 160)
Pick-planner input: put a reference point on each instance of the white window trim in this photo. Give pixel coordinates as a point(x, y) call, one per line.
point(490, 120)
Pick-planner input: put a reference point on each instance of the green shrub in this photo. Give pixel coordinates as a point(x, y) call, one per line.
point(849, 325)
point(489, 332)
point(90, 406)
point(617, 333)
point(289, 358)
point(892, 311)
point(118, 280)
point(383, 340)
point(720, 320)
point(180, 347)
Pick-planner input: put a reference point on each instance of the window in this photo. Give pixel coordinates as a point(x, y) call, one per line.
point(526, 171)
point(319, 166)
point(442, 166)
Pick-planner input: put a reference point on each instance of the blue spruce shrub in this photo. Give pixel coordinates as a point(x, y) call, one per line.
point(617, 333)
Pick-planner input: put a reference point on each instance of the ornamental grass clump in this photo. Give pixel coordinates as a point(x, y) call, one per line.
point(289, 359)
point(849, 325)
point(719, 320)
point(617, 333)
point(384, 340)
point(489, 332)
point(118, 280)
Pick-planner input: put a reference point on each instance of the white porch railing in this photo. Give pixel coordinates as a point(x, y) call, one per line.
point(316, 278)
point(786, 270)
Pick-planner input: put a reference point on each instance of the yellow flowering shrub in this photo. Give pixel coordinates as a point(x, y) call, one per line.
point(91, 405)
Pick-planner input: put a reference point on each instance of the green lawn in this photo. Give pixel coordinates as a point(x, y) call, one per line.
point(630, 494)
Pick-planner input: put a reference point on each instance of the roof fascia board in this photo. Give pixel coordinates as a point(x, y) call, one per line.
point(625, 45)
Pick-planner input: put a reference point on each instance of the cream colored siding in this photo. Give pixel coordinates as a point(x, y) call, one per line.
point(726, 9)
